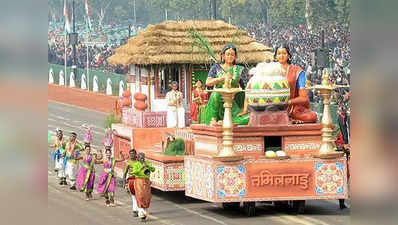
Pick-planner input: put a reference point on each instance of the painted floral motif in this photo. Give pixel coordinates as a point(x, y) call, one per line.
point(157, 177)
point(175, 175)
point(210, 181)
point(329, 178)
point(231, 181)
point(188, 178)
point(199, 179)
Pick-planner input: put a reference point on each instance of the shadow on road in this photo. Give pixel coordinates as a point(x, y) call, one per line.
point(177, 197)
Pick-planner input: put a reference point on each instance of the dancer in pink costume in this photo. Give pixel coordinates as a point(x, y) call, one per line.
point(86, 176)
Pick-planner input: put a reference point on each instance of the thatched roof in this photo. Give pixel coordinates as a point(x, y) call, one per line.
point(169, 43)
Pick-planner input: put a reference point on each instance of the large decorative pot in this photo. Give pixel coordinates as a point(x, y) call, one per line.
point(267, 88)
point(139, 96)
point(139, 103)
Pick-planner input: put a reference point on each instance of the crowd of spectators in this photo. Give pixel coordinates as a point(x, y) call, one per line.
point(98, 53)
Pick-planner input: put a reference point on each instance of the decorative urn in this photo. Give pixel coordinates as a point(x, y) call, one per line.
point(139, 103)
point(267, 89)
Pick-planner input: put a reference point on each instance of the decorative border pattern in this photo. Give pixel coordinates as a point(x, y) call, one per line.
point(329, 178)
point(199, 180)
point(157, 177)
point(168, 177)
point(175, 175)
point(149, 119)
point(231, 181)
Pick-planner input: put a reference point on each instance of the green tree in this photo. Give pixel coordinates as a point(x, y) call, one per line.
point(287, 12)
point(343, 9)
point(101, 8)
point(55, 10)
point(314, 13)
point(264, 5)
point(322, 12)
point(230, 9)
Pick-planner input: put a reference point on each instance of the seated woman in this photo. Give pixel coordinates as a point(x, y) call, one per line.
point(217, 75)
point(298, 104)
point(199, 102)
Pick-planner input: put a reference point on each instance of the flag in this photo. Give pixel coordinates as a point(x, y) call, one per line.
point(66, 15)
point(87, 7)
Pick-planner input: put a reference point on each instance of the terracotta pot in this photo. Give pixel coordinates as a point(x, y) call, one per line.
point(126, 94)
point(126, 102)
point(140, 105)
point(140, 97)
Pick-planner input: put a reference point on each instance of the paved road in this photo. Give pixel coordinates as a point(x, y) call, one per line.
point(69, 207)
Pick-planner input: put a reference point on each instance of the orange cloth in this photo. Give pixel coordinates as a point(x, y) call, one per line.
point(143, 193)
point(131, 185)
point(302, 111)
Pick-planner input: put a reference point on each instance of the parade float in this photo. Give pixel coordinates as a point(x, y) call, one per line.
point(158, 55)
point(228, 164)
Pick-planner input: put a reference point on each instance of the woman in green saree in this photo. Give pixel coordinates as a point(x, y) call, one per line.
point(217, 75)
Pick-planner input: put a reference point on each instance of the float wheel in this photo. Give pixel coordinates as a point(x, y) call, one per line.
point(249, 208)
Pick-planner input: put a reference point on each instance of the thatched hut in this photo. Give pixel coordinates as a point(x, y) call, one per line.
point(164, 53)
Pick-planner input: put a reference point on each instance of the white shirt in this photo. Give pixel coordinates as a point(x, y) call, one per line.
point(174, 99)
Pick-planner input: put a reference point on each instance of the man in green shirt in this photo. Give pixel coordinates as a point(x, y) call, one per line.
point(142, 170)
point(128, 169)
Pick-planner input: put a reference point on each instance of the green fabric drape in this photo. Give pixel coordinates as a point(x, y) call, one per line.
point(215, 106)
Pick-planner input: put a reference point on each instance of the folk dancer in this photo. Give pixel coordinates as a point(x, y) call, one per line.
point(58, 156)
point(175, 110)
point(73, 148)
point(86, 175)
point(107, 181)
point(142, 186)
point(128, 182)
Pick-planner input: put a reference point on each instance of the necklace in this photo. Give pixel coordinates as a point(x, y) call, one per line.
point(226, 66)
point(285, 72)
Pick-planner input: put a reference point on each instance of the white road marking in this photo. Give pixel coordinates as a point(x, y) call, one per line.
point(58, 117)
point(167, 222)
point(79, 127)
point(199, 214)
point(280, 220)
point(305, 220)
point(313, 220)
point(79, 107)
